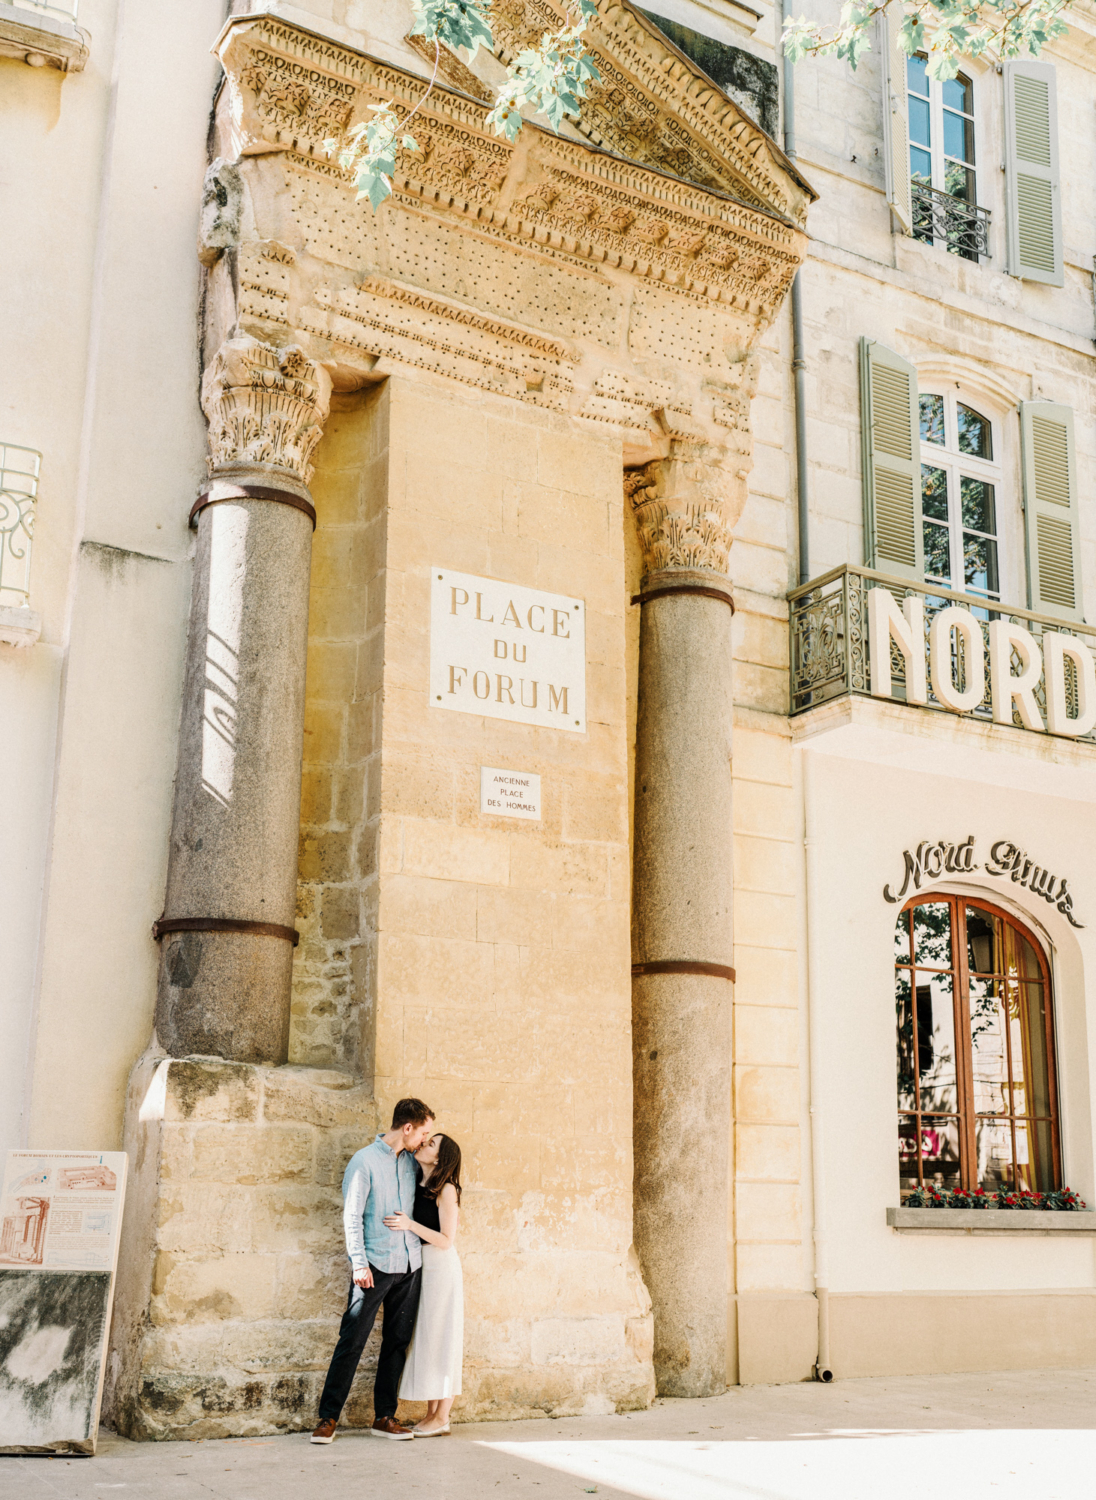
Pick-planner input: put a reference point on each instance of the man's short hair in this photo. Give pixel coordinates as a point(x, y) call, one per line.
point(410, 1112)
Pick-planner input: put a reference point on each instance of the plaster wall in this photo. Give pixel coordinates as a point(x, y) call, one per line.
point(40, 109)
point(118, 544)
point(101, 171)
point(28, 708)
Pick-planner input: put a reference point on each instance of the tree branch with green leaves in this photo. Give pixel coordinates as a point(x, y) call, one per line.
point(550, 79)
point(945, 30)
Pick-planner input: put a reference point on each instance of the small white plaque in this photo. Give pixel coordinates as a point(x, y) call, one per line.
point(509, 794)
point(507, 652)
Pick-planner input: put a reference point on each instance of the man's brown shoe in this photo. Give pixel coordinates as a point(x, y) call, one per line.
point(388, 1427)
point(325, 1432)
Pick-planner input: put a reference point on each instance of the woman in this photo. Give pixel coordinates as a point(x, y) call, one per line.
point(433, 1369)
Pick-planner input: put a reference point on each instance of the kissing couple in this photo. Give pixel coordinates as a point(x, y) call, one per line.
point(401, 1205)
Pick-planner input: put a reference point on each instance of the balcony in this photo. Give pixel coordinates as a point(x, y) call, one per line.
point(832, 644)
point(43, 33)
point(939, 218)
point(19, 469)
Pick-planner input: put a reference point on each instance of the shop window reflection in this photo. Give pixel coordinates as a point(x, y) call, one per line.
point(975, 1052)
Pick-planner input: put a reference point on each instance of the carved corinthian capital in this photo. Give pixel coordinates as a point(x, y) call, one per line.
point(685, 509)
point(265, 407)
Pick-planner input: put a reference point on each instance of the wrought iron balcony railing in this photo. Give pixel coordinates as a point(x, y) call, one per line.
point(19, 468)
point(939, 217)
point(831, 645)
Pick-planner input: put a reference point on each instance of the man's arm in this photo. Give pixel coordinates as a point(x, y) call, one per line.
point(357, 1195)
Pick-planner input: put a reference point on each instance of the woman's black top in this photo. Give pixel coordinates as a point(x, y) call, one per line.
point(426, 1209)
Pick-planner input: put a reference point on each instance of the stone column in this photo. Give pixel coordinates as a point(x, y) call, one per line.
point(682, 935)
point(227, 931)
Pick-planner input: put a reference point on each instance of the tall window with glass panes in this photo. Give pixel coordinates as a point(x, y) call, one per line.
point(959, 484)
point(941, 127)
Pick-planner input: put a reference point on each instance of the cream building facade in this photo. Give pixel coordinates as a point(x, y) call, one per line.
point(304, 472)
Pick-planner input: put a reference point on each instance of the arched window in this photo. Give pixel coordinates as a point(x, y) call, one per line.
point(977, 1100)
point(960, 483)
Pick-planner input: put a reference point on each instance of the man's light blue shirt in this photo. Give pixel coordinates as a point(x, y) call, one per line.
point(376, 1184)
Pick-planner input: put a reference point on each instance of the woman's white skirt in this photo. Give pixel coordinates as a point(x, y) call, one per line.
point(436, 1355)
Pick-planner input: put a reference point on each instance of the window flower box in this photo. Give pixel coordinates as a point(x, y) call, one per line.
point(992, 1220)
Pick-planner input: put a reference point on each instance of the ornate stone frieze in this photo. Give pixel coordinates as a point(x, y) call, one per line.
point(685, 508)
point(265, 281)
point(521, 271)
point(292, 102)
point(388, 320)
point(553, 194)
point(680, 245)
point(265, 406)
point(451, 69)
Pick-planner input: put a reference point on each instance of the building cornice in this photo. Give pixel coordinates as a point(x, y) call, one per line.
point(290, 90)
point(654, 107)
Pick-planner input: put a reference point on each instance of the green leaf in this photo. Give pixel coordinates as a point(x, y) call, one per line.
point(374, 185)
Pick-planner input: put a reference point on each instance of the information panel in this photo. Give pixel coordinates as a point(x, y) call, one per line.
point(60, 1223)
point(507, 652)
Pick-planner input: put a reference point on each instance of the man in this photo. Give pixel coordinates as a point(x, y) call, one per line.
point(386, 1267)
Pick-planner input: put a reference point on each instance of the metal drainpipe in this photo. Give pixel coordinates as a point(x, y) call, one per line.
point(823, 1369)
point(799, 363)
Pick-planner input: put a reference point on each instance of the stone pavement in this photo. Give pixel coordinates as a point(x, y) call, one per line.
point(953, 1437)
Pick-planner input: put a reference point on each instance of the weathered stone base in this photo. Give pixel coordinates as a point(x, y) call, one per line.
point(233, 1276)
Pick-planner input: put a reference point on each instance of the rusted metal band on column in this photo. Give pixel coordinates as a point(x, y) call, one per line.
point(684, 588)
point(220, 491)
point(165, 925)
point(683, 966)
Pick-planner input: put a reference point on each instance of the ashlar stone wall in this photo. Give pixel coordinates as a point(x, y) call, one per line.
point(773, 1308)
point(503, 992)
point(229, 1296)
point(340, 792)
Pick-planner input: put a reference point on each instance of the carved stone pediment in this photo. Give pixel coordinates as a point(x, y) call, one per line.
point(654, 105)
point(291, 90)
point(551, 271)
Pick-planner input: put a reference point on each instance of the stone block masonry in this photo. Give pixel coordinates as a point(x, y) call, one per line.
point(234, 1274)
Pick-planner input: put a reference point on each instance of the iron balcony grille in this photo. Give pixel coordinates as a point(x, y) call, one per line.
point(831, 652)
point(19, 469)
point(963, 228)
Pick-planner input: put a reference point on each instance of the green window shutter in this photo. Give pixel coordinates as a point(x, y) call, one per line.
point(1031, 167)
point(896, 129)
point(891, 444)
point(1051, 524)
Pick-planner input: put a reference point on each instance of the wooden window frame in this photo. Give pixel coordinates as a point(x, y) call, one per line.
point(960, 975)
point(958, 466)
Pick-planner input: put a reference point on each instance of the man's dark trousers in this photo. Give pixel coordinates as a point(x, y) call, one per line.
point(398, 1293)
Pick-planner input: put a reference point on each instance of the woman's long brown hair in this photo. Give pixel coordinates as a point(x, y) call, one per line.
point(446, 1168)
